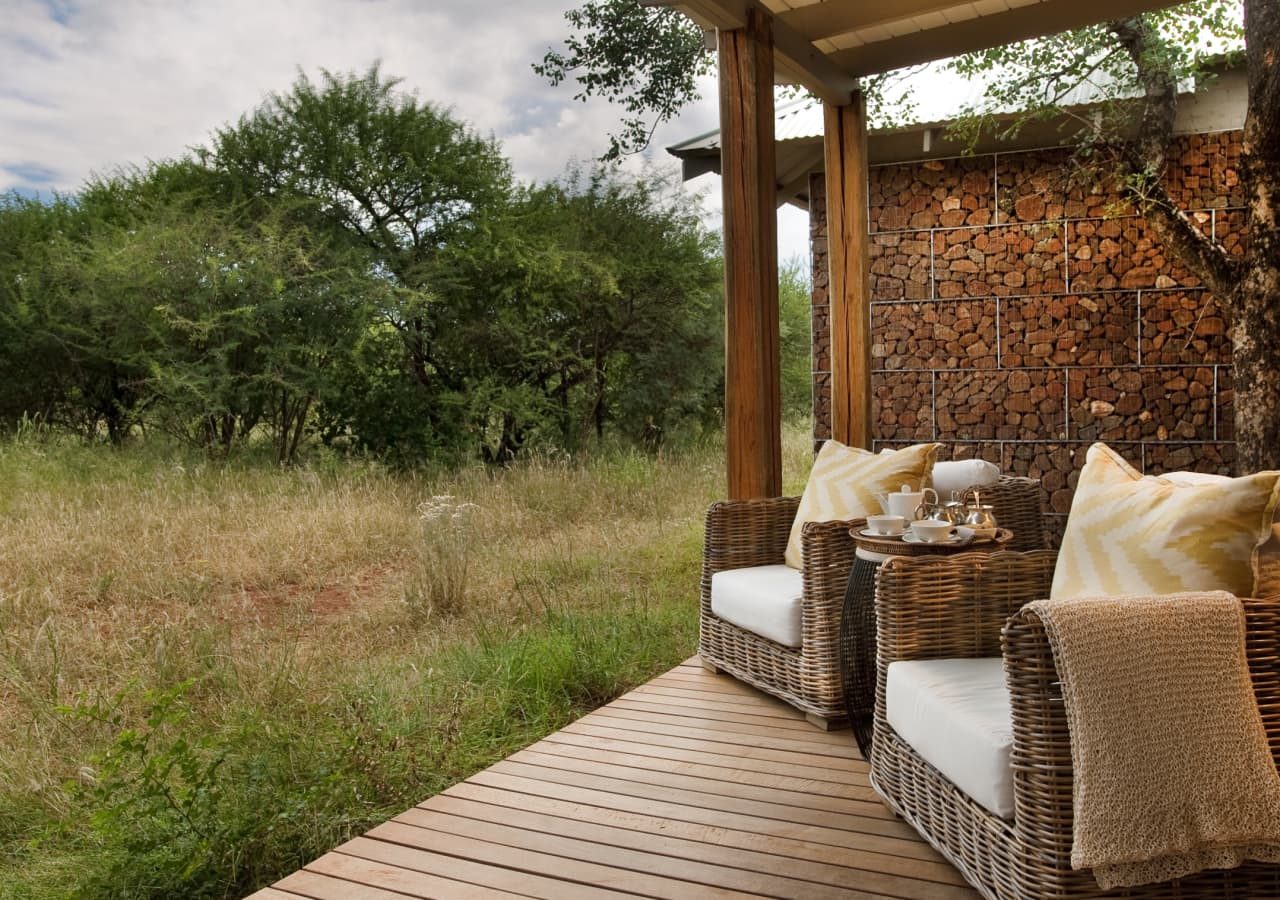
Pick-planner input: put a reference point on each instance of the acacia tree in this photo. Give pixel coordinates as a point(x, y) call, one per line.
point(400, 178)
point(1136, 64)
point(178, 306)
point(41, 374)
point(646, 59)
point(593, 304)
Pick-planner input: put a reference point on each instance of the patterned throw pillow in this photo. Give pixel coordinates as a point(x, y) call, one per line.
point(1268, 554)
point(844, 481)
point(1129, 534)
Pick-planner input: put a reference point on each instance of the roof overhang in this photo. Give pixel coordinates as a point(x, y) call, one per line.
point(1218, 106)
point(826, 45)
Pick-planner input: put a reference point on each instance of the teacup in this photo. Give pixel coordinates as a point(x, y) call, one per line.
point(889, 526)
point(932, 532)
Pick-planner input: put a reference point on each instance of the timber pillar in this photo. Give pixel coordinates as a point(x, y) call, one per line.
point(753, 417)
point(849, 290)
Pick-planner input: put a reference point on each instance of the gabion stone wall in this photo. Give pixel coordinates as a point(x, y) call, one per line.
point(1019, 316)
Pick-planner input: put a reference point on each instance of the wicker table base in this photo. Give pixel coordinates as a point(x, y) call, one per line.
point(858, 651)
point(858, 621)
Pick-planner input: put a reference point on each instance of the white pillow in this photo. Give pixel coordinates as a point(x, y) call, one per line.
point(958, 474)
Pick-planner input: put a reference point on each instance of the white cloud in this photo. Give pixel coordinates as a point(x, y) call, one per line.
point(92, 86)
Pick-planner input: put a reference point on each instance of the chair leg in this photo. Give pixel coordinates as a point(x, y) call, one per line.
point(834, 723)
point(709, 666)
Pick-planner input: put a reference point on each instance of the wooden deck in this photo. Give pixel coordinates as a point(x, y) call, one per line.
point(692, 785)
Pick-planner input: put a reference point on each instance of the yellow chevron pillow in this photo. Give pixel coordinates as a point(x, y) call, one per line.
point(1129, 534)
point(844, 481)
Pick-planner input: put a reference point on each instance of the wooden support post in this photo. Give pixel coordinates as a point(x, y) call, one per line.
point(753, 417)
point(850, 284)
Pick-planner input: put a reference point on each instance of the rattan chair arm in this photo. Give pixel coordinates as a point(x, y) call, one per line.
point(930, 607)
point(1041, 755)
point(1262, 645)
point(827, 549)
point(741, 533)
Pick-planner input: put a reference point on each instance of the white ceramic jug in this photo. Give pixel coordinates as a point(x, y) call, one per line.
point(905, 501)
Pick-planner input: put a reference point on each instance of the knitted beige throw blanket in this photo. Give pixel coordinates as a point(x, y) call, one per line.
point(1173, 773)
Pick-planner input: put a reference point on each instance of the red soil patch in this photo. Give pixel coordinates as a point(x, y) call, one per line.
point(328, 601)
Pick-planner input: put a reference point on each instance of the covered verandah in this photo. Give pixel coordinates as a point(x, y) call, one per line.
point(824, 46)
point(694, 784)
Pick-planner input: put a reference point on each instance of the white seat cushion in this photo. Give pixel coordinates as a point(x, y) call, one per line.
point(955, 713)
point(764, 600)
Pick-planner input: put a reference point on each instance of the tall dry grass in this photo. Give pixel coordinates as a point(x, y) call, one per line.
point(210, 673)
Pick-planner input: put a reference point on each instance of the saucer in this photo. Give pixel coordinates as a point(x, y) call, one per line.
point(910, 538)
point(867, 532)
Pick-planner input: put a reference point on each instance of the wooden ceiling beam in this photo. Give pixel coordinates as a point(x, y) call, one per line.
point(824, 20)
point(794, 169)
point(832, 76)
point(796, 55)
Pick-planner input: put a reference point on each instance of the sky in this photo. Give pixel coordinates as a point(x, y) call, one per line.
point(90, 85)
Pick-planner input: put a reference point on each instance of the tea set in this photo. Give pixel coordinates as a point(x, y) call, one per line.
point(918, 517)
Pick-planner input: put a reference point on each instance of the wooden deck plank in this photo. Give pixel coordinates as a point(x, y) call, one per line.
point(871, 840)
point(665, 842)
point(338, 877)
point(695, 713)
point(771, 710)
point(680, 874)
point(720, 720)
point(694, 691)
point(644, 791)
point(698, 703)
point(707, 779)
point(935, 869)
point(839, 768)
point(563, 876)
point(617, 766)
point(708, 688)
point(692, 785)
point(734, 739)
point(473, 866)
point(702, 677)
point(710, 754)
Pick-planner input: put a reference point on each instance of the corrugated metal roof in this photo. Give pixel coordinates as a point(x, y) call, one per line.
point(796, 120)
point(937, 99)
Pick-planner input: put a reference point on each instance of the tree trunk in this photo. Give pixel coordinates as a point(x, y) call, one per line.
point(599, 410)
point(1256, 306)
point(417, 345)
point(1249, 287)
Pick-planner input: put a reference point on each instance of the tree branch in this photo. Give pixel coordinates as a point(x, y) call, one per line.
point(1145, 158)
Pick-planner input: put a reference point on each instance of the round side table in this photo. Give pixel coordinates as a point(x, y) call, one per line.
point(858, 618)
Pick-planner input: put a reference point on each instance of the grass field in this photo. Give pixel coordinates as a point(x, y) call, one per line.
point(211, 673)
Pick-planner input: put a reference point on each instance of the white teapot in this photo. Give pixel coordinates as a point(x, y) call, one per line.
point(905, 502)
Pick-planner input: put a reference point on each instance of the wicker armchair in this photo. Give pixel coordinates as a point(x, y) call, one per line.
point(1018, 507)
point(968, 606)
point(743, 533)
